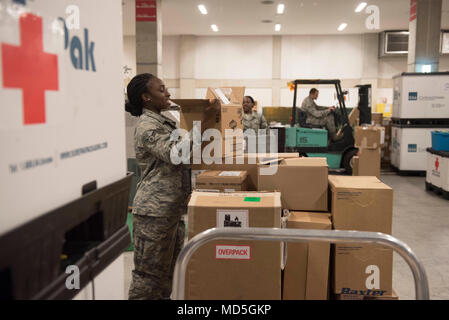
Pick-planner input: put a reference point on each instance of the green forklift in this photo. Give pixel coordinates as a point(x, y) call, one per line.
point(312, 140)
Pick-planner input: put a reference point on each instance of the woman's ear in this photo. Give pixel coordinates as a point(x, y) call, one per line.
point(146, 97)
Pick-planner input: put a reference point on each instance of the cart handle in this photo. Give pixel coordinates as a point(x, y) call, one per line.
point(299, 235)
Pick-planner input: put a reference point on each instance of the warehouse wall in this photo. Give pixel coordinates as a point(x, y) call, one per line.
point(264, 67)
point(129, 53)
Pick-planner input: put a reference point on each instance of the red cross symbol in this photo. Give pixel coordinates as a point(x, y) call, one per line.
point(29, 68)
point(437, 164)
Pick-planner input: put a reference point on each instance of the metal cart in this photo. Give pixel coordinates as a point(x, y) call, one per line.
point(299, 235)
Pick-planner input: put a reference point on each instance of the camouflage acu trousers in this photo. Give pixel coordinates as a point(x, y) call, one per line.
point(327, 121)
point(157, 243)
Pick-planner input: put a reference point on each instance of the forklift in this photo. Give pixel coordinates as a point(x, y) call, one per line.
point(312, 140)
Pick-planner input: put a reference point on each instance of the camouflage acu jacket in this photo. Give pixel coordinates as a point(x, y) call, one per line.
point(164, 187)
point(254, 121)
point(315, 113)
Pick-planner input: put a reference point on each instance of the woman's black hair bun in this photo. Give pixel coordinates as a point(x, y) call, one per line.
point(132, 109)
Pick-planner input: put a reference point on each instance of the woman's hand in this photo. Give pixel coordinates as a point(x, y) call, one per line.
point(214, 105)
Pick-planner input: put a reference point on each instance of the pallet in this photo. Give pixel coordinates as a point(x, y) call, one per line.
point(410, 173)
point(437, 190)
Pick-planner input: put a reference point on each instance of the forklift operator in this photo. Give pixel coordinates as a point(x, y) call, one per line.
point(318, 115)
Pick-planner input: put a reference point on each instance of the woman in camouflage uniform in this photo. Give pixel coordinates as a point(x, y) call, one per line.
point(252, 120)
point(162, 192)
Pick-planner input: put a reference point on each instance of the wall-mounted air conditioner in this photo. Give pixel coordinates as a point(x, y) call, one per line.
point(393, 43)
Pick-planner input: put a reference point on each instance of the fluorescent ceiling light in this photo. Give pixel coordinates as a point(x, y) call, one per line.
point(277, 27)
point(214, 27)
point(281, 8)
point(202, 8)
point(342, 26)
point(360, 7)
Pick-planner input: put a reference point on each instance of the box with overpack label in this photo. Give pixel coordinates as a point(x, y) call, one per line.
point(235, 270)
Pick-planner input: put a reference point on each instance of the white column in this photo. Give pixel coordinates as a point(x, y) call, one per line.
point(187, 66)
point(424, 39)
point(276, 71)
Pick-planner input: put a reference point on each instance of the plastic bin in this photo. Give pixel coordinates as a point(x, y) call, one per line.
point(440, 140)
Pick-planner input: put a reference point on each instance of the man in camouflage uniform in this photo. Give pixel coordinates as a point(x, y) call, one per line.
point(318, 115)
point(252, 119)
point(160, 202)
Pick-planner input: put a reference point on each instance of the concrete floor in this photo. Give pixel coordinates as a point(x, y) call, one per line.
point(421, 220)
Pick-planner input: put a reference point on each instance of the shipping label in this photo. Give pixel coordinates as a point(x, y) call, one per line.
point(232, 218)
point(230, 173)
point(229, 252)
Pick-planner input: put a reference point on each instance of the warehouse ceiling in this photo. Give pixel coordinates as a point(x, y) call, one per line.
point(244, 17)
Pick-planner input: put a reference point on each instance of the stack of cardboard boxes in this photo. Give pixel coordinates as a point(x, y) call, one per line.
point(227, 121)
point(376, 118)
point(253, 190)
point(300, 187)
point(386, 147)
point(303, 183)
point(361, 204)
point(368, 141)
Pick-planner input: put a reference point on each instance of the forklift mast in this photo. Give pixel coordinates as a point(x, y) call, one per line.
point(365, 103)
point(340, 97)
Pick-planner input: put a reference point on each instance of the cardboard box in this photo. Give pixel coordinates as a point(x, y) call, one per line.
point(195, 110)
point(302, 182)
point(229, 147)
point(248, 163)
point(225, 181)
point(373, 296)
point(236, 270)
point(361, 267)
point(361, 204)
point(306, 272)
point(367, 163)
point(367, 137)
point(355, 165)
point(231, 99)
point(376, 118)
point(354, 117)
point(228, 118)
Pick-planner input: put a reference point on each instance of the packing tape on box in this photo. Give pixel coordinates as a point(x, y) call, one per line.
point(284, 219)
point(364, 144)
